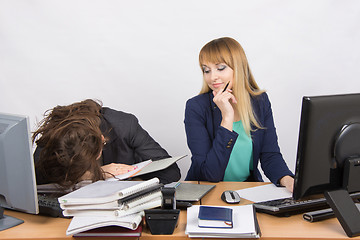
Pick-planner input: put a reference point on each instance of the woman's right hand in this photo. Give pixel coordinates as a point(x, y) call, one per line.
point(114, 169)
point(223, 101)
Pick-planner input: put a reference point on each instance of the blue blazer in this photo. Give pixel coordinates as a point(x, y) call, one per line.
point(211, 145)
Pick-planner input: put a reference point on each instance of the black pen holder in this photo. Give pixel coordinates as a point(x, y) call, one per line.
point(161, 221)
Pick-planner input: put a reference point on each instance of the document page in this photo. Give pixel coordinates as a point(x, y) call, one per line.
point(264, 193)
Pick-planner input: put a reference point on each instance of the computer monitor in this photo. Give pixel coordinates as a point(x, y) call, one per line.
point(17, 174)
point(322, 120)
point(328, 156)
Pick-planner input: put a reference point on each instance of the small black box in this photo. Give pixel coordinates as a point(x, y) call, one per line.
point(161, 221)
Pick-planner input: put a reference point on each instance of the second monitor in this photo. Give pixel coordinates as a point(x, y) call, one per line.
point(17, 175)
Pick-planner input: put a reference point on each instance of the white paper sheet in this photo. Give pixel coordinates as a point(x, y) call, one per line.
point(264, 193)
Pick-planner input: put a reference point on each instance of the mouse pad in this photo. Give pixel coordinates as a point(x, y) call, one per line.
point(191, 192)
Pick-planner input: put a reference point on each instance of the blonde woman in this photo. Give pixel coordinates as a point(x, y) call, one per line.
point(229, 125)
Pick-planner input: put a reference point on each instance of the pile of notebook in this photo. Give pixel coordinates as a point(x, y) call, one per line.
point(110, 203)
point(222, 222)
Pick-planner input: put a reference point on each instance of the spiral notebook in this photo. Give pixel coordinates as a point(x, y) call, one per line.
point(118, 212)
point(124, 203)
point(106, 191)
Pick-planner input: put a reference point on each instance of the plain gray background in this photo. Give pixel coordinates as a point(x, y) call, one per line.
point(141, 56)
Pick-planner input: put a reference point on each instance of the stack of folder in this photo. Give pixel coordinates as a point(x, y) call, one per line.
point(106, 203)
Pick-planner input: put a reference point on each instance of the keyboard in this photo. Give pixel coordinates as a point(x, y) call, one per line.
point(287, 206)
point(49, 206)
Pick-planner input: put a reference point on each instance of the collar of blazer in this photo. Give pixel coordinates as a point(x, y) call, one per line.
point(107, 129)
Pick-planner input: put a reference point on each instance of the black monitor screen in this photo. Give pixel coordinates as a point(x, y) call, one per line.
point(322, 120)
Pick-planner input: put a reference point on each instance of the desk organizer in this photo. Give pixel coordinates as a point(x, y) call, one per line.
point(161, 221)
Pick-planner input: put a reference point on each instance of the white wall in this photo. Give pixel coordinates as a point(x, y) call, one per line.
point(141, 56)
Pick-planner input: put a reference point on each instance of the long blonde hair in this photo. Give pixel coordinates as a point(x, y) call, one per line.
point(229, 51)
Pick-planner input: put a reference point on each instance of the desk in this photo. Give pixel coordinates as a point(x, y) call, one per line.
point(294, 228)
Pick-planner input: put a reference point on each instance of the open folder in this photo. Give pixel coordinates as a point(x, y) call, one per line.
point(147, 167)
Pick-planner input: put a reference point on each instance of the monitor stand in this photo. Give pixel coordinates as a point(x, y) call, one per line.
point(340, 201)
point(345, 210)
point(8, 221)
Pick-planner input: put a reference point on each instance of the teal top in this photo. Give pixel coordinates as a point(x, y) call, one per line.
point(241, 158)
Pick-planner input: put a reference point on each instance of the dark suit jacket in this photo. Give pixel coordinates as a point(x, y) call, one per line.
point(211, 144)
point(128, 143)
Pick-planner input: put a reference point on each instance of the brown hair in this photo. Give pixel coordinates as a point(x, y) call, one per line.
point(71, 141)
point(229, 51)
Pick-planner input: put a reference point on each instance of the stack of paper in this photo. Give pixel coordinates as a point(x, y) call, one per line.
point(243, 219)
point(105, 203)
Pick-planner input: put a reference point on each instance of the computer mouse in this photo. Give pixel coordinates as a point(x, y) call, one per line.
point(230, 196)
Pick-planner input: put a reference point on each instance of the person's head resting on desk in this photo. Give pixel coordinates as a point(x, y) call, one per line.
point(71, 142)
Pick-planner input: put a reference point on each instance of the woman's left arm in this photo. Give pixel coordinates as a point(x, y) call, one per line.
point(271, 159)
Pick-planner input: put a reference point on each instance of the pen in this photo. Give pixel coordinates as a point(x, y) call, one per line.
point(226, 86)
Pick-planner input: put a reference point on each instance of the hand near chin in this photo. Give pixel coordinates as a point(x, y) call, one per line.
point(223, 100)
point(114, 169)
